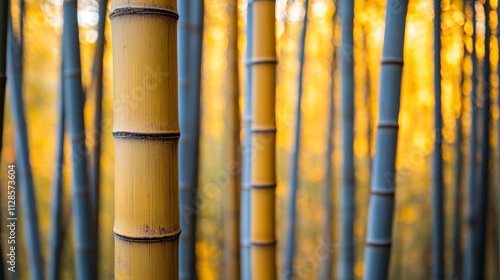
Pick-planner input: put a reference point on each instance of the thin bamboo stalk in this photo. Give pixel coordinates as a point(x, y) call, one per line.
point(457, 198)
point(368, 97)
point(326, 269)
point(245, 241)
point(82, 211)
point(146, 132)
point(437, 174)
point(381, 208)
point(263, 235)
point(482, 198)
point(57, 193)
point(231, 247)
point(471, 252)
point(346, 12)
point(4, 13)
point(97, 76)
point(23, 166)
point(190, 51)
point(294, 168)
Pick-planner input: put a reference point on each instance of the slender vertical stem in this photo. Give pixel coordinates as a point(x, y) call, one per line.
point(190, 51)
point(326, 269)
point(30, 220)
point(471, 252)
point(86, 265)
point(294, 169)
point(346, 10)
point(57, 194)
point(482, 199)
point(146, 134)
point(368, 97)
point(97, 76)
point(498, 129)
point(381, 208)
point(232, 206)
point(437, 174)
point(456, 272)
point(263, 234)
point(246, 269)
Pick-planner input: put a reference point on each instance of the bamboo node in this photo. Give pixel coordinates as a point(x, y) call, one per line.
point(386, 124)
point(383, 192)
point(261, 61)
point(146, 136)
point(72, 73)
point(263, 244)
point(392, 60)
point(264, 130)
point(379, 243)
point(143, 11)
point(150, 239)
point(263, 186)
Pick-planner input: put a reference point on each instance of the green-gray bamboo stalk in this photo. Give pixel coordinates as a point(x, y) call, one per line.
point(57, 194)
point(86, 265)
point(382, 200)
point(346, 271)
point(97, 77)
point(190, 52)
point(437, 174)
point(25, 177)
point(471, 252)
point(482, 198)
point(294, 169)
point(245, 241)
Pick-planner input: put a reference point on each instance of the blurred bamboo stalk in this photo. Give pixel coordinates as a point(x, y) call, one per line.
point(482, 190)
point(437, 174)
point(326, 268)
point(57, 193)
point(470, 268)
point(294, 169)
point(190, 52)
point(86, 265)
point(146, 133)
point(97, 78)
point(498, 131)
point(23, 166)
point(231, 246)
point(381, 208)
point(245, 242)
point(346, 13)
point(263, 235)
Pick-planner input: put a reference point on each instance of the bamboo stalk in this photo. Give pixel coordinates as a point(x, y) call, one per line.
point(245, 207)
point(326, 269)
point(471, 252)
point(457, 198)
point(498, 131)
point(294, 169)
point(381, 208)
point(263, 235)
point(346, 10)
point(23, 166)
point(97, 76)
point(231, 247)
point(82, 211)
point(57, 194)
point(146, 133)
point(482, 199)
point(190, 51)
point(437, 174)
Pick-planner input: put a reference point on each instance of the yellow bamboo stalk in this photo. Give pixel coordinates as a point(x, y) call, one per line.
point(263, 236)
point(146, 135)
point(231, 246)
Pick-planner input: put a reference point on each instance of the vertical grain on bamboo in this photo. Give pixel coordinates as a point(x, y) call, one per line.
point(146, 133)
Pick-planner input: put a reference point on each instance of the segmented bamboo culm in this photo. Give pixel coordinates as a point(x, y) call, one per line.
point(263, 235)
point(146, 134)
point(381, 208)
point(246, 269)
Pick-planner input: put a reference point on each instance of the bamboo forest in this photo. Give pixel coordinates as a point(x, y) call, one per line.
point(250, 139)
